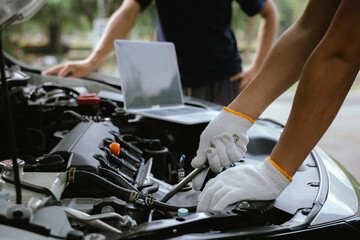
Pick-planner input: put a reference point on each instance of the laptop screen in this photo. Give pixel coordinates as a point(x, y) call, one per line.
point(149, 74)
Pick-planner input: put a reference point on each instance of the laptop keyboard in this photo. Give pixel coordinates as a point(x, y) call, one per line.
point(174, 111)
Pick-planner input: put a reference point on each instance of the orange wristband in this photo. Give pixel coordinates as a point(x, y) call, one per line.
point(239, 114)
point(280, 169)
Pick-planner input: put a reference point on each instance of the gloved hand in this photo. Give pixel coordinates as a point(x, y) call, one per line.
point(222, 142)
point(265, 181)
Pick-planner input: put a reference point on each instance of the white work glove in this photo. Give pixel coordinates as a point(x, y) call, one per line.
point(222, 143)
point(260, 182)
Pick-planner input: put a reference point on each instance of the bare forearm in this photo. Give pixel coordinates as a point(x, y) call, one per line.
point(324, 84)
point(267, 33)
point(118, 27)
point(283, 65)
point(272, 80)
point(319, 96)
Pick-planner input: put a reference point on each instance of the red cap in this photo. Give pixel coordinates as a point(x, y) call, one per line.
point(115, 148)
point(89, 99)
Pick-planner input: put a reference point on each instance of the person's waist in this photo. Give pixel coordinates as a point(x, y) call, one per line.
point(217, 63)
point(200, 78)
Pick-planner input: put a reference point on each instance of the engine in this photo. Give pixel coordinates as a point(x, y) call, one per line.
point(102, 170)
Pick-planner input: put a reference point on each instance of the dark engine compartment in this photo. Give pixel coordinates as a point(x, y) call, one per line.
point(68, 134)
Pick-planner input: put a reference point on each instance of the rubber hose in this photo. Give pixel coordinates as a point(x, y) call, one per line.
point(29, 186)
point(96, 180)
point(117, 178)
point(122, 193)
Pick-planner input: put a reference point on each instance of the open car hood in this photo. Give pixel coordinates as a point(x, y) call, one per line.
point(24, 9)
point(65, 130)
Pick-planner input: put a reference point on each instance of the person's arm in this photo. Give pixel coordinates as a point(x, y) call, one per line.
point(324, 83)
point(327, 73)
point(284, 63)
point(279, 71)
point(266, 35)
point(118, 27)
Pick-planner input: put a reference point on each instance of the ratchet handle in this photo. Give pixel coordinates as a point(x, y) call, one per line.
point(183, 182)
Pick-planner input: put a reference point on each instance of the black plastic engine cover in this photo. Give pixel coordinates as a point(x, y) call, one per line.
point(84, 142)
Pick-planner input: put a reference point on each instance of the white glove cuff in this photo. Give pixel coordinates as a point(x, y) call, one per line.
point(275, 174)
point(236, 121)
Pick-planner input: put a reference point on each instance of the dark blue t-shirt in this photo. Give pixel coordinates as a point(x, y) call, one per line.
point(201, 31)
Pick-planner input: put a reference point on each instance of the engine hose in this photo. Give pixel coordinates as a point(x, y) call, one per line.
point(75, 115)
point(80, 176)
point(117, 178)
point(29, 186)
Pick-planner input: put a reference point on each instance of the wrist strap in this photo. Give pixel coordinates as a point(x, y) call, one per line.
point(239, 114)
point(283, 172)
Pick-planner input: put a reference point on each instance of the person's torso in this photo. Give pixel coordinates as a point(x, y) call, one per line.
point(201, 31)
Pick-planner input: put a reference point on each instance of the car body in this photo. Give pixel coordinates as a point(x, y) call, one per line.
point(74, 186)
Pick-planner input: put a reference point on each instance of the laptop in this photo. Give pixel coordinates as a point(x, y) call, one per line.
point(151, 85)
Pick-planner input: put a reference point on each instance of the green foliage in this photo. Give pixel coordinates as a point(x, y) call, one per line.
point(289, 11)
point(68, 13)
point(11, 40)
point(63, 18)
point(239, 18)
point(145, 27)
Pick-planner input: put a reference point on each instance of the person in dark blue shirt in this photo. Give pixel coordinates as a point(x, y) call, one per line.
point(209, 62)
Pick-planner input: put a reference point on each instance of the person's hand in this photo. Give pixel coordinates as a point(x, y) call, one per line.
point(260, 182)
point(74, 69)
point(245, 77)
point(222, 143)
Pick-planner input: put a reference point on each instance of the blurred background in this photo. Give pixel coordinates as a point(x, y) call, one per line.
point(67, 30)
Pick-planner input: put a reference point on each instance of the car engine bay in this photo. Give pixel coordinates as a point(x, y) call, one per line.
point(74, 164)
point(102, 170)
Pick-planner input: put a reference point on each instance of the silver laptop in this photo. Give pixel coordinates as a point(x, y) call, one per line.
point(150, 82)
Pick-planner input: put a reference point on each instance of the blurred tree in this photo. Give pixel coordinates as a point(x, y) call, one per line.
point(289, 11)
point(145, 26)
point(44, 33)
point(245, 27)
point(245, 30)
point(107, 7)
point(57, 15)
